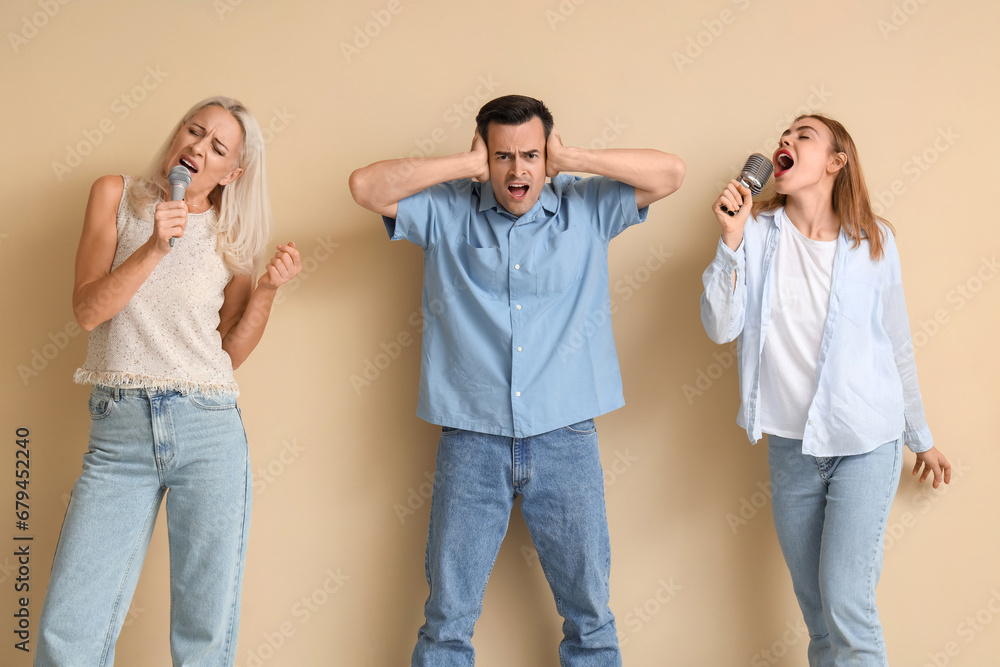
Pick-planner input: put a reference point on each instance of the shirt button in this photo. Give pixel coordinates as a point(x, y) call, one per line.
point(518, 306)
point(519, 348)
point(517, 266)
point(517, 393)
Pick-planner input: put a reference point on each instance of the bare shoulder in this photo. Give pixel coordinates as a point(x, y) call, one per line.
point(108, 190)
point(102, 207)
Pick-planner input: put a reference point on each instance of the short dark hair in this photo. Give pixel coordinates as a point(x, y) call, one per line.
point(513, 110)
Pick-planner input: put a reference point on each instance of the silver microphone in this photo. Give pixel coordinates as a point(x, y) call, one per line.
point(179, 179)
point(756, 171)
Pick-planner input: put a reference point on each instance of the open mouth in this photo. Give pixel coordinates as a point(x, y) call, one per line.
point(783, 161)
point(190, 165)
point(518, 191)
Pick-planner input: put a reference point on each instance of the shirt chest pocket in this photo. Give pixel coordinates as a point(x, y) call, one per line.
point(557, 260)
point(482, 269)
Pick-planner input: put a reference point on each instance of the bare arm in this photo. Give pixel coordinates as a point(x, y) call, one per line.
point(98, 292)
point(379, 187)
point(654, 174)
point(245, 310)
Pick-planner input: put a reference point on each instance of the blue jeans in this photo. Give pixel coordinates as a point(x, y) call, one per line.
point(830, 514)
point(559, 478)
point(142, 444)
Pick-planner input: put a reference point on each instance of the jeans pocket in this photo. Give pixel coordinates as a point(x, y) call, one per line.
point(586, 427)
point(213, 401)
point(99, 405)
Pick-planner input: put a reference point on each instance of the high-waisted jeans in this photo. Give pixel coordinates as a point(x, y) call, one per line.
point(143, 445)
point(830, 514)
point(559, 478)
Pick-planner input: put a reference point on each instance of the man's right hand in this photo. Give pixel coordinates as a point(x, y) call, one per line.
point(482, 175)
point(736, 197)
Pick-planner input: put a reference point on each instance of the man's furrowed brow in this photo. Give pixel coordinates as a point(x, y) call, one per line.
point(525, 152)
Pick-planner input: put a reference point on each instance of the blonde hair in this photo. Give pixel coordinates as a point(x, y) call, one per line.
point(850, 194)
point(243, 224)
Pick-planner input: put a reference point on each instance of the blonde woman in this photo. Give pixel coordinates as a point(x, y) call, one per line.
point(168, 326)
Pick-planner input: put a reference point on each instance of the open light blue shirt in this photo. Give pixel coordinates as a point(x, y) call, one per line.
point(866, 386)
point(517, 337)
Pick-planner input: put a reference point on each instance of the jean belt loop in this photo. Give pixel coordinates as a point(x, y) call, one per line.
point(116, 393)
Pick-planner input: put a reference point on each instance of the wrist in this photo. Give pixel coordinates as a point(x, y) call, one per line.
point(152, 249)
point(473, 164)
point(732, 239)
point(568, 158)
point(266, 289)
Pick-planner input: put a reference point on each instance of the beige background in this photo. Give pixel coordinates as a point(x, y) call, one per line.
point(335, 567)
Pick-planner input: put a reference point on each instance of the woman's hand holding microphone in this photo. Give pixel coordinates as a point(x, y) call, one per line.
point(732, 209)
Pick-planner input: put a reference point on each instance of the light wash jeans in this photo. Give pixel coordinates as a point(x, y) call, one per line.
point(559, 478)
point(142, 445)
point(830, 514)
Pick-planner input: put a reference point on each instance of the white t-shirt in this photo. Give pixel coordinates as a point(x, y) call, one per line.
point(800, 301)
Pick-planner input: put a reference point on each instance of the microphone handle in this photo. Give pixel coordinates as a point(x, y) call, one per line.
point(176, 194)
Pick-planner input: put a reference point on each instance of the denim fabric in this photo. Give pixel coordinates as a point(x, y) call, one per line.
point(830, 515)
point(145, 444)
point(866, 387)
point(559, 478)
point(516, 323)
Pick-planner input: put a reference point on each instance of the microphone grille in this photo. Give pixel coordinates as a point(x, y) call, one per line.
point(755, 173)
point(179, 175)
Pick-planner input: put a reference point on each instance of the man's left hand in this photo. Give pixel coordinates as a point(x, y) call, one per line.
point(553, 154)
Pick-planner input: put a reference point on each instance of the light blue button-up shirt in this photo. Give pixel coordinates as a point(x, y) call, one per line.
point(517, 335)
point(866, 385)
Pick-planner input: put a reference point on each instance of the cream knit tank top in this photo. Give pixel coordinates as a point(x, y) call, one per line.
point(166, 335)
